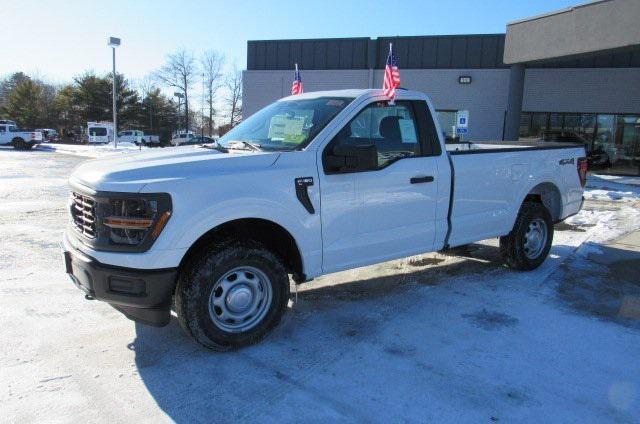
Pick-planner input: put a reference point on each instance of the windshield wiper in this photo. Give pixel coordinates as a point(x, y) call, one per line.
point(250, 146)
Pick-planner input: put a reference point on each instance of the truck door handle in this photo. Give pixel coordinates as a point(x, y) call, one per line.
point(420, 180)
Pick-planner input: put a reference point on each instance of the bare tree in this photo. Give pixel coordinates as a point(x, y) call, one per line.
point(179, 73)
point(212, 63)
point(145, 85)
point(234, 98)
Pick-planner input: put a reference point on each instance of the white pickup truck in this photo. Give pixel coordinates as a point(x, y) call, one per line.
point(310, 185)
point(11, 135)
point(138, 137)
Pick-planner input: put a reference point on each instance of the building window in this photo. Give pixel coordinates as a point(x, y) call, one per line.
point(525, 124)
point(538, 124)
point(612, 140)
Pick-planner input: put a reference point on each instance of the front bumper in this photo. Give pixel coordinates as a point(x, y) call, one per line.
point(142, 295)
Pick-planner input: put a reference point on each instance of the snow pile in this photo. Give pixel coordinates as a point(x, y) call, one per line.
point(92, 150)
point(608, 187)
point(616, 179)
point(625, 196)
point(619, 215)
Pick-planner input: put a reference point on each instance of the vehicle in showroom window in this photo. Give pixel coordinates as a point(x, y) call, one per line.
point(312, 184)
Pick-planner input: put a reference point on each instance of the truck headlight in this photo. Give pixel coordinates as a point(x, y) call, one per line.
point(134, 221)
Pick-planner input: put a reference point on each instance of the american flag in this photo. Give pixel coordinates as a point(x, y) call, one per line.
point(391, 75)
point(296, 87)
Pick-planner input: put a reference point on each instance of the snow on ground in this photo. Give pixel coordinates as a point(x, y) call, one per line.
point(619, 179)
point(450, 337)
point(91, 150)
point(608, 187)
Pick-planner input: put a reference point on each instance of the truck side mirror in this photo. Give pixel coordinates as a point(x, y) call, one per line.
point(346, 158)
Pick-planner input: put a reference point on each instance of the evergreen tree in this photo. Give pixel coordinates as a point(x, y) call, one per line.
point(25, 104)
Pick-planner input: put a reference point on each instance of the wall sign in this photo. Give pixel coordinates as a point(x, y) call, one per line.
point(464, 79)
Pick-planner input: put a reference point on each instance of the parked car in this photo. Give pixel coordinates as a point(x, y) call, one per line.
point(11, 135)
point(596, 157)
point(138, 137)
point(100, 132)
point(312, 184)
point(182, 138)
point(49, 135)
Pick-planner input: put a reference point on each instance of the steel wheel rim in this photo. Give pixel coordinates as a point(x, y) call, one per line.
point(535, 238)
point(240, 299)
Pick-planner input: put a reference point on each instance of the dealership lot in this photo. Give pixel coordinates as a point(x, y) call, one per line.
point(436, 337)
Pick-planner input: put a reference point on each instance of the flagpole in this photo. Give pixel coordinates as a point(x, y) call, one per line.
point(392, 101)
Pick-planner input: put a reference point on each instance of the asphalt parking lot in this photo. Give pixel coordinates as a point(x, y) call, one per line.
point(439, 337)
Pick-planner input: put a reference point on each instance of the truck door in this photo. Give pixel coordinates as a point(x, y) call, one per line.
point(387, 211)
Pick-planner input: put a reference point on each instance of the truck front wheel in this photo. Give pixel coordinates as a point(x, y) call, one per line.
point(231, 295)
point(528, 244)
point(20, 144)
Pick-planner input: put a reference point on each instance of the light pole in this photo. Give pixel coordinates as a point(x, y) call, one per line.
point(114, 42)
point(179, 96)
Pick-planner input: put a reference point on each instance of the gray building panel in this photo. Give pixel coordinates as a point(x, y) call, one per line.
point(592, 27)
point(446, 52)
point(582, 90)
point(342, 53)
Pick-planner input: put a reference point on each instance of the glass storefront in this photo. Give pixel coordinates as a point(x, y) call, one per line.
point(613, 141)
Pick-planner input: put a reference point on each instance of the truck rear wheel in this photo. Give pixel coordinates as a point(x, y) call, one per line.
point(232, 295)
point(527, 245)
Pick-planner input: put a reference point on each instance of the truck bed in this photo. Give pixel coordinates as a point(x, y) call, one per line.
point(487, 191)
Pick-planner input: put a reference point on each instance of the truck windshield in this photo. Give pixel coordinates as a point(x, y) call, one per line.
point(285, 125)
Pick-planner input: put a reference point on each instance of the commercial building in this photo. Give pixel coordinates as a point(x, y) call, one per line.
point(573, 72)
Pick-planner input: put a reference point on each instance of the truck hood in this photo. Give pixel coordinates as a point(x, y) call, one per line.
point(130, 172)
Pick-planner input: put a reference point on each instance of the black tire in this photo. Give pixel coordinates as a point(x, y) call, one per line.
point(512, 246)
point(195, 292)
point(20, 144)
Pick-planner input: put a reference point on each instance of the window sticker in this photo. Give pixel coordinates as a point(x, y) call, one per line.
point(408, 131)
point(288, 129)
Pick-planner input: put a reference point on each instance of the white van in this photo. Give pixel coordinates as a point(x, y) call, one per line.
point(100, 132)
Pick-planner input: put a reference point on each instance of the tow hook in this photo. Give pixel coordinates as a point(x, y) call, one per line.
point(89, 297)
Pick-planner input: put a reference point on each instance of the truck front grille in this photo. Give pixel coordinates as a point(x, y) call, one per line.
point(83, 212)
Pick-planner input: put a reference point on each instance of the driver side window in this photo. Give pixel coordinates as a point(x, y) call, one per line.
point(392, 129)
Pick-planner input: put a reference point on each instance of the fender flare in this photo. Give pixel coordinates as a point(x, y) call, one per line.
point(546, 178)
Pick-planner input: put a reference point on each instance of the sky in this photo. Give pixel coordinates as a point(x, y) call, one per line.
point(56, 40)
